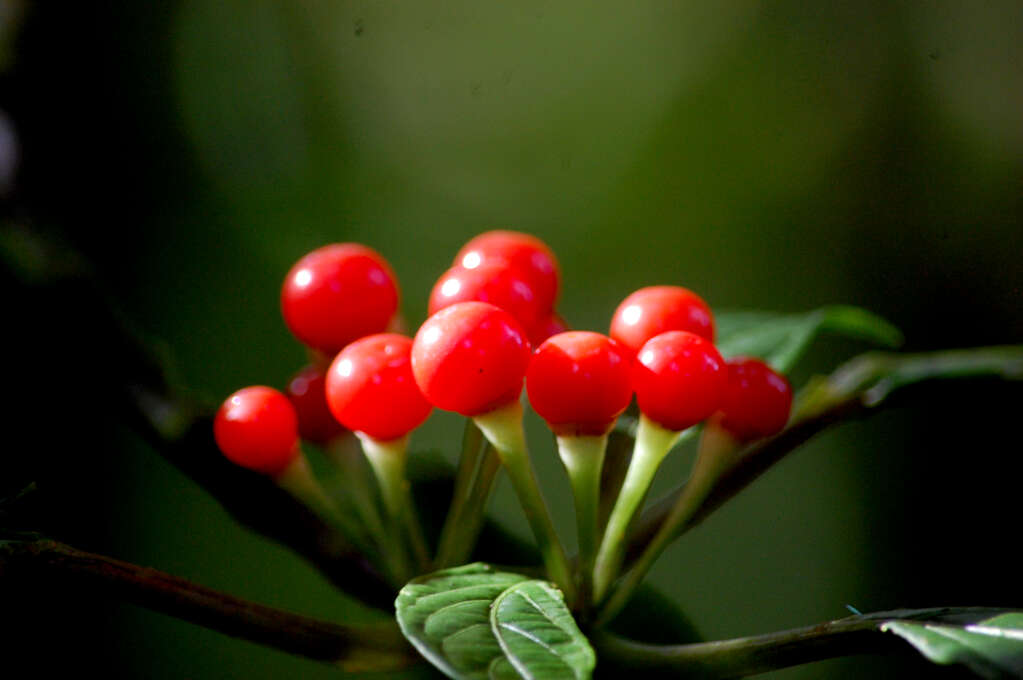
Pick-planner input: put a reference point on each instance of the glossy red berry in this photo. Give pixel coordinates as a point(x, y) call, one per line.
point(307, 394)
point(256, 428)
point(757, 400)
point(494, 281)
point(470, 358)
point(679, 379)
point(579, 382)
point(337, 294)
point(524, 252)
point(657, 309)
point(370, 388)
point(550, 325)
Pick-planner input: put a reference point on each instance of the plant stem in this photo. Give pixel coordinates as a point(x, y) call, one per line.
point(616, 464)
point(584, 459)
point(55, 567)
point(346, 457)
point(298, 480)
point(468, 462)
point(740, 657)
point(387, 459)
point(716, 455)
point(853, 390)
point(503, 428)
point(48, 565)
point(259, 505)
point(745, 656)
point(652, 443)
point(475, 509)
point(448, 546)
point(468, 509)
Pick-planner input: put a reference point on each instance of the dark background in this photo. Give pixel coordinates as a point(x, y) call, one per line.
point(775, 155)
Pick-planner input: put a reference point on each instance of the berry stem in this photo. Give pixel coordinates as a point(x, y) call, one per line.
point(318, 358)
point(717, 454)
point(475, 512)
point(387, 459)
point(503, 428)
point(346, 457)
point(477, 468)
point(298, 480)
point(584, 460)
point(466, 531)
point(652, 444)
point(472, 449)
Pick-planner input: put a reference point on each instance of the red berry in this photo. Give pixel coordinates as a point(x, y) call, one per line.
point(370, 388)
point(527, 253)
point(307, 394)
point(337, 294)
point(494, 281)
point(679, 378)
point(579, 382)
point(757, 400)
point(470, 358)
point(552, 324)
point(256, 428)
point(657, 309)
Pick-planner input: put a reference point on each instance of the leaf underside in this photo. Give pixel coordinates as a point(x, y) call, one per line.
point(992, 648)
point(781, 339)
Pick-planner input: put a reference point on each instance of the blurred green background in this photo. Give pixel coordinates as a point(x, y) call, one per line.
point(771, 155)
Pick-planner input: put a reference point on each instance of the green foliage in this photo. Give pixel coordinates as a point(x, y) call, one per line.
point(781, 339)
point(446, 616)
point(992, 648)
point(539, 635)
point(477, 622)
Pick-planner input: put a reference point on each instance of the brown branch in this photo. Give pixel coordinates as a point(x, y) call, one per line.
point(743, 656)
point(740, 657)
point(48, 565)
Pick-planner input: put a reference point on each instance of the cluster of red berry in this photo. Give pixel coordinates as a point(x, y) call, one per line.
point(472, 355)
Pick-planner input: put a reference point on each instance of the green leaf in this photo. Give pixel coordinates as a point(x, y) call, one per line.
point(539, 635)
point(781, 339)
point(731, 322)
point(992, 648)
point(446, 616)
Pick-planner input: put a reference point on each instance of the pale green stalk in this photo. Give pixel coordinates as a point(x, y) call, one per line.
point(298, 480)
point(652, 444)
point(503, 428)
point(717, 454)
point(584, 460)
point(387, 460)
